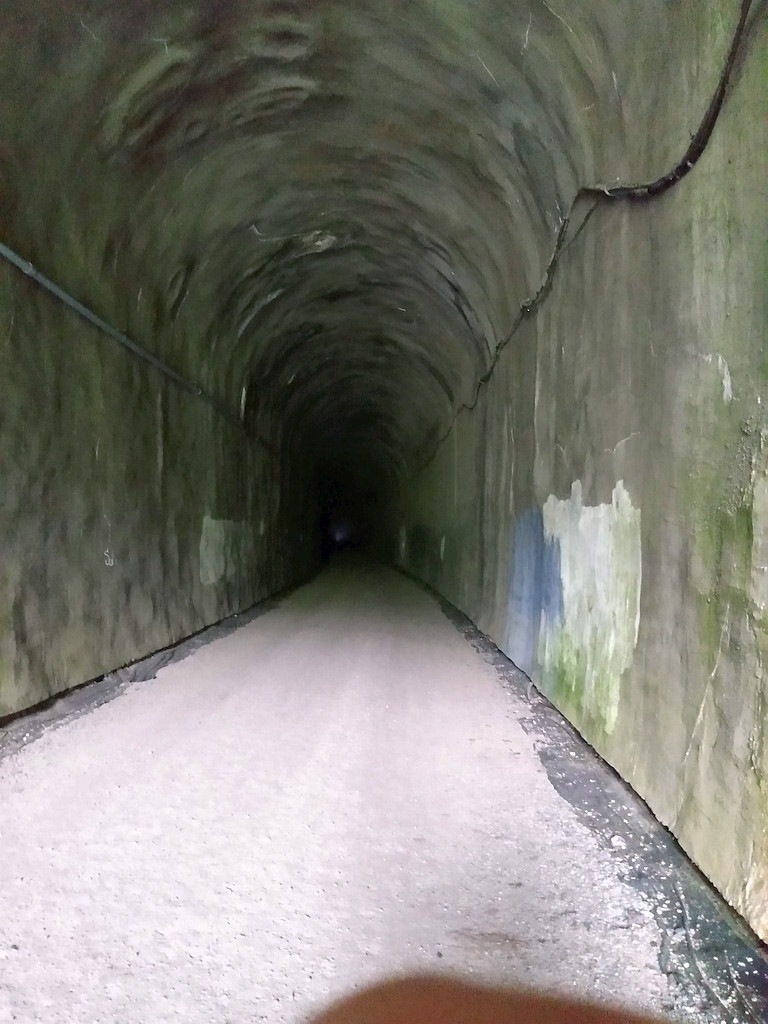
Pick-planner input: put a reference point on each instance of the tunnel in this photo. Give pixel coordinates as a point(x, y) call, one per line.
point(476, 288)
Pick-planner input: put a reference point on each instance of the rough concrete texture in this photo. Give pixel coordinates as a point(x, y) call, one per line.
point(328, 215)
point(131, 515)
point(619, 453)
point(336, 792)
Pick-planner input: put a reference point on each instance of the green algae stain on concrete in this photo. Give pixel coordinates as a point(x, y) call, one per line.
point(756, 884)
point(584, 654)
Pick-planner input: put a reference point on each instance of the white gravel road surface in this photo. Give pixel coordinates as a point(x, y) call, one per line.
point(337, 791)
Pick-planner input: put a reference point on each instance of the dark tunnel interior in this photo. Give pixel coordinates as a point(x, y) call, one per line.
point(308, 209)
point(474, 285)
point(357, 505)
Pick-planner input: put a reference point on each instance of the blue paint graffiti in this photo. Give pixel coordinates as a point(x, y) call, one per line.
point(535, 586)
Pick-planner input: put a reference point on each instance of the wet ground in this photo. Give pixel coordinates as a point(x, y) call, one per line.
point(346, 783)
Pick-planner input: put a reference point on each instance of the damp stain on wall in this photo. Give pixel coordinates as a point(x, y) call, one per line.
point(574, 609)
point(226, 549)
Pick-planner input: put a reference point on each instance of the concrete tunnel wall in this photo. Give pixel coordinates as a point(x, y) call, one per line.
point(329, 216)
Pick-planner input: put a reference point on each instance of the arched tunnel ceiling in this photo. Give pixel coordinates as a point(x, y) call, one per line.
point(326, 212)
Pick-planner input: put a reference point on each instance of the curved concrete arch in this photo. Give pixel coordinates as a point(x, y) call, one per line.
point(350, 228)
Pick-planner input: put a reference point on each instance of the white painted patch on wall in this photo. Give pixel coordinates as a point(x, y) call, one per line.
point(226, 549)
point(593, 644)
point(758, 589)
point(442, 547)
point(725, 374)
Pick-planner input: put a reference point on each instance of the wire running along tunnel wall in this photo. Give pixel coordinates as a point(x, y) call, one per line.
point(330, 220)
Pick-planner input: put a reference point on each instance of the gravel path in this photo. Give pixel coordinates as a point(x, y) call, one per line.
point(336, 791)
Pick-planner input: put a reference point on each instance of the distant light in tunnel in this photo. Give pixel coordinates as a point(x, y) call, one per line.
point(341, 533)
